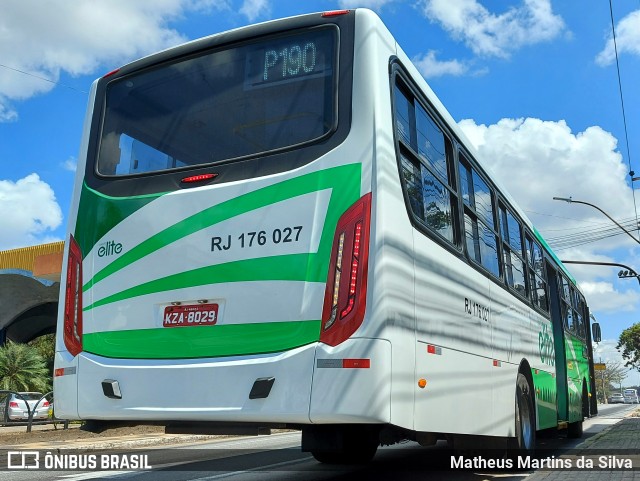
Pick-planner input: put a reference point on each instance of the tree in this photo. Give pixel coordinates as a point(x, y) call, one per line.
point(22, 368)
point(613, 374)
point(46, 346)
point(630, 343)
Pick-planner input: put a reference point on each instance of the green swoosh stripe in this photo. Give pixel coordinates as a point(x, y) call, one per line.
point(202, 341)
point(99, 213)
point(294, 267)
point(344, 180)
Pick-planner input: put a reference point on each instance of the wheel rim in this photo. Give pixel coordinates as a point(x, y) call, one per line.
point(526, 426)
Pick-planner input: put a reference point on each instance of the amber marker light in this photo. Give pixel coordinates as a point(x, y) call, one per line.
point(422, 383)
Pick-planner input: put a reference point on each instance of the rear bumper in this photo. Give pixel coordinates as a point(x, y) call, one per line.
point(218, 390)
point(195, 390)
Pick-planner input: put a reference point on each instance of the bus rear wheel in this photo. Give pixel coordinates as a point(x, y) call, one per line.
point(574, 430)
point(355, 455)
point(341, 444)
point(525, 421)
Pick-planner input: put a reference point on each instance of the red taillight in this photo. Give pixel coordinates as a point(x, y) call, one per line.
point(45, 404)
point(13, 404)
point(334, 13)
point(345, 295)
point(198, 178)
point(113, 72)
point(73, 300)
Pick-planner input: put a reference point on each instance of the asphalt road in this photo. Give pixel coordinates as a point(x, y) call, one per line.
point(278, 458)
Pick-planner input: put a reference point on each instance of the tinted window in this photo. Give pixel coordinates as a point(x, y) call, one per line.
point(437, 205)
point(403, 108)
point(481, 245)
point(431, 146)
point(511, 230)
point(221, 105)
point(413, 185)
point(514, 271)
point(424, 165)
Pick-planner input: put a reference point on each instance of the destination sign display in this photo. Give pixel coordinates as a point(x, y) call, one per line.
point(291, 58)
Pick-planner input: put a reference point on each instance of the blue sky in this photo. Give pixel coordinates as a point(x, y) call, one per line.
point(533, 83)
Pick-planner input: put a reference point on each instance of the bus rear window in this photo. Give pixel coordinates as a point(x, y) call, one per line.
point(225, 104)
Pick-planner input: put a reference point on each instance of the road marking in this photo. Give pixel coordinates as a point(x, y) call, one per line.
point(259, 468)
point(102, 474)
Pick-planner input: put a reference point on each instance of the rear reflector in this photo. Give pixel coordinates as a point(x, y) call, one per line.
point(356, 363)
point(343, 363)
point(346, 290)
point(64, 371)
point(73, 300)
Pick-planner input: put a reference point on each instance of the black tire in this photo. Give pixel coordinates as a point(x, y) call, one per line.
point(525, 419)
point(574, 430)
point(357, 445)
point(360, 455)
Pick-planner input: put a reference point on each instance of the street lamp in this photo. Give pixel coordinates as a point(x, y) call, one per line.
point(571, 201)
point(626, 273)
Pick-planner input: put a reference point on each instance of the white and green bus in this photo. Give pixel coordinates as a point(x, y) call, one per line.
point(282, 226)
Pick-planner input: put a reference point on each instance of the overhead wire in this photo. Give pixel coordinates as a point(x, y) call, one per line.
point(42, 78)
point(587, 236)
point(624, 116)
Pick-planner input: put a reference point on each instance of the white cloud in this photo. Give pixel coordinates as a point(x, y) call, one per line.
point(627, 39)
point(606, 351)
point(7, 114)
point(538, 160)
point(604, 298)
point(252, 9)
point(71, 164)
point(486, 33)
point(80, 37)
point(28, 212)
point(430, 67)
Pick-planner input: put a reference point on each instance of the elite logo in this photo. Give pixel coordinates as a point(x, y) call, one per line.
point(109, 248)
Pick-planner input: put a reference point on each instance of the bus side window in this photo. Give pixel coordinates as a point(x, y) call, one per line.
point(579, 315)
point(479, 222)
point(424, 165)
point(537, 277)
point(514, 269)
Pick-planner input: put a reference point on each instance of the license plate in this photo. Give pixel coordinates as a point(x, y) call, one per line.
point(190, 315)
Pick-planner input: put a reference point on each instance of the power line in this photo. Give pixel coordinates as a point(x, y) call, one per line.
point(42, 78)
point(582, 221)
point(624, 116)
point(579, 239)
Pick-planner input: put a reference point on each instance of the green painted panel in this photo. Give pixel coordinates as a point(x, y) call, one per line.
point(99, 213)
point(202, 341)
point(546, 398)
point(344, 182)
point(577, 371)
point(292, 267)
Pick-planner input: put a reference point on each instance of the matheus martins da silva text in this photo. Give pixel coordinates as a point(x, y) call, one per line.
point(527, 462)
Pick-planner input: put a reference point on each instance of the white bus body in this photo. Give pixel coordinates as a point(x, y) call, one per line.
point(441, 345)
